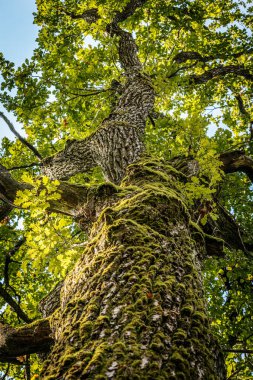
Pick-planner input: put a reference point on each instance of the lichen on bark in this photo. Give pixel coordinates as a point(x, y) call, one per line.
point(133, 307)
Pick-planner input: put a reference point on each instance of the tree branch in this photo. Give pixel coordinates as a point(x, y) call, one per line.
point(21, 139)
point(6, 372)
point(234, 374)
point(127, 46)
point(8, 259)
point(244, 351)
point(73, 197)
point(15, 306)
point(241, 106)
point(219, 71)
point(184, 56)
point(129, 10)
point(91, 15)
point(226, 228)
point(237, 161)
point(5, 210)
point(25, 340)
point(25, 166)
point(9, 187)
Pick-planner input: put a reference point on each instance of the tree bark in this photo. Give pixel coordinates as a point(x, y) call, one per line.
point(133, 307)
point(24, 340)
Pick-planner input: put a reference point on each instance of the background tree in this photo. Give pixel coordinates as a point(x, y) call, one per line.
point(138, 120)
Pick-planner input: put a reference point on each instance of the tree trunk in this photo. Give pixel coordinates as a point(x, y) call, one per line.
point(133, 307)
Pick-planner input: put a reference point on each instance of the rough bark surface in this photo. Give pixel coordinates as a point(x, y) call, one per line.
point(24, 340)
point(133, 307)
point(118, 142)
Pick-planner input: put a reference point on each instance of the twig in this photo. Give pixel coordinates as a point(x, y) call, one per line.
point(180, 69)
point(22, 139)
point(6, 372)
point(27, 368)
point(25, 166)
point(234, 373)
point(85, 95)
point(8, 259)
point(8, 298)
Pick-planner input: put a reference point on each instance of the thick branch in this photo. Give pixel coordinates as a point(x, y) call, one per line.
point(127, 49)
point(91, 15)
point(29, 339)
point(5, 210)
point(193, 55)
point(184, 56)
point(221, 71)
point(129, 10)
point(9, 186)
point(118, 141)
point(73, 197)
point(127, 46)
point(237, 161)
point(242, 106)
point(226, 228)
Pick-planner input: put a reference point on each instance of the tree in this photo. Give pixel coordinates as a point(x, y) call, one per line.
point(117, 103)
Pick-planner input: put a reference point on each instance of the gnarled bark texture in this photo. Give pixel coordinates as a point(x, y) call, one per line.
point(133, 307)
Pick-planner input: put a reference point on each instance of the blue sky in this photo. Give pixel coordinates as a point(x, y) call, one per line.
point(17, 39)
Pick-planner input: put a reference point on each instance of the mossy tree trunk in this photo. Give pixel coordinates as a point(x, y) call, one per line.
point(133, 307)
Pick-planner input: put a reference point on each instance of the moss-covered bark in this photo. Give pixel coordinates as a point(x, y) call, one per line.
point(133, 307)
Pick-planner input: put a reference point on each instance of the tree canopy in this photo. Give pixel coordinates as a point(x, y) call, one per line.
point(198, 58)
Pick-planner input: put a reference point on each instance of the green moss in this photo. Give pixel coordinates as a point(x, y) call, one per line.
point(157, 345)
point(139, 285)
point(86, 329)
point(101, 377)
point(180, 334)
point(201, 316)
point(180, 287)
point(187, 310)
point(178, 359)
point(67, 360)
point(181, 376)
point(99, 354)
